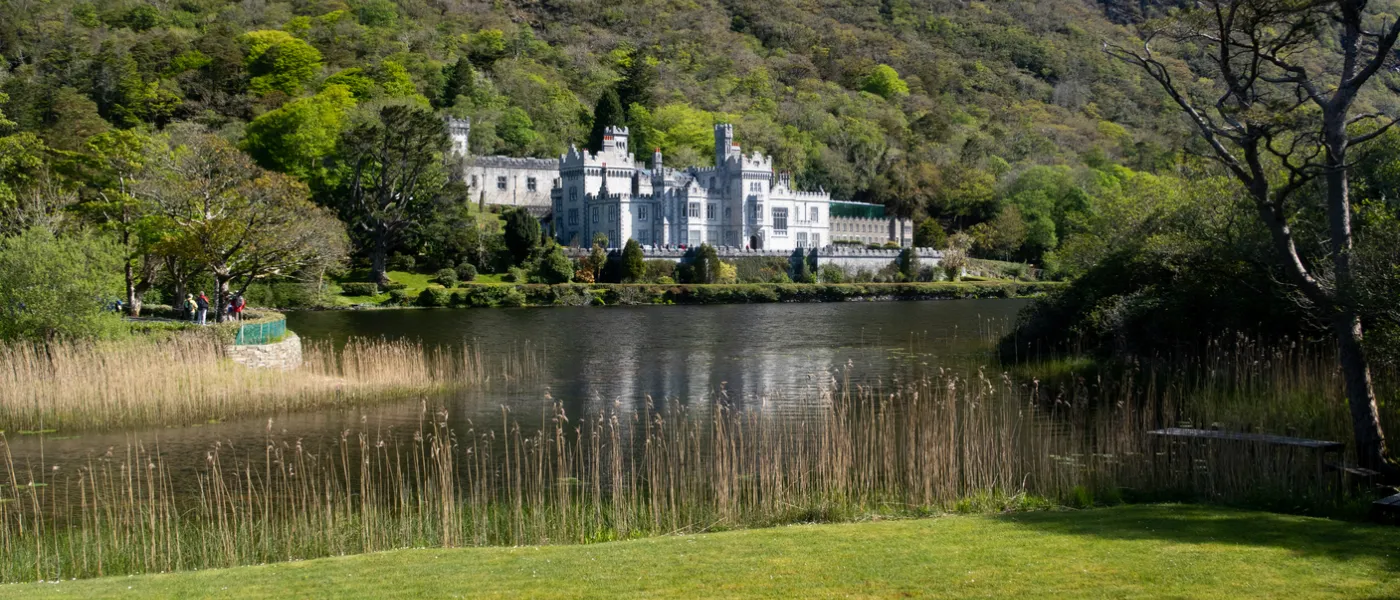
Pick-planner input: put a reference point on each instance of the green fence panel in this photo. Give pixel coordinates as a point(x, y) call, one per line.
point(261, 333)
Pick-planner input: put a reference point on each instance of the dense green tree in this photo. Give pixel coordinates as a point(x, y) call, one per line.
point(1294, 72)
point(909, 264)
point(638, 81)
point(72, 119)
point(460, 81)
point(1004, 236)
point(517, 131)
point(389, 169)
point(930, 234)
point(297, 137)
point(361, 85)
point(112, 167)
point(22, 168)
point(522, 234)
point(884, 81)
point(634, 265)
point(703, 265)
point(276, 61)
point(380, 14)
point(607, 113)
point(54, 287)
point(487, 46)
point(555, 268)
point(237, 221)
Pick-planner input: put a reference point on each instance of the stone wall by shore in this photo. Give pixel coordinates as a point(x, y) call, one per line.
point(852, 259)
point(284, 355)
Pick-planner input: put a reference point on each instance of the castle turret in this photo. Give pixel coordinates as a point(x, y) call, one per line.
point(615, 141)
point(459, 131)
point(724, 144)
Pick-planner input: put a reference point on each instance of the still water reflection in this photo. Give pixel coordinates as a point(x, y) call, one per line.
point(777, 356)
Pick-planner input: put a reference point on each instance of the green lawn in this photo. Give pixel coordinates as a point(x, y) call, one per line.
point(1124, 552)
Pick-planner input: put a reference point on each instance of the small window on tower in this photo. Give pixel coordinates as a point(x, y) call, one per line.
point(501, 183)
point(532, 186)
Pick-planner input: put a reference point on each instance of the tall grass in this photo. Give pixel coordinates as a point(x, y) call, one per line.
point(930, 441)
point(933, 443)
point(186, 379)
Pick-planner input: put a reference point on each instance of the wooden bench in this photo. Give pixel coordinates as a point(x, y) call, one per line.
point(1258, 438)
point(1386, 509)
point(1320, 449)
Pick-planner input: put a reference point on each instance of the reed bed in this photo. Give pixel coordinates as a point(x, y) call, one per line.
point(187, 379)
point(931, 444)
point(931, 441)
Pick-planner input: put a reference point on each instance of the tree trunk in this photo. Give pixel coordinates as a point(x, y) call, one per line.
point(1371, 450)
point(377, 257)
point(133, 309)
point(220, 296)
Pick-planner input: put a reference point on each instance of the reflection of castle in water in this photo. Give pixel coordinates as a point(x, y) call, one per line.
point(698, 367)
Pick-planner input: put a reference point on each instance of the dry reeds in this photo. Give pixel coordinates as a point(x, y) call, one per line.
point(913, 448)
point(186, 379)
point(924, 444)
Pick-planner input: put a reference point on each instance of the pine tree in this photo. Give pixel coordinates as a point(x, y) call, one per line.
point(633, 262)
point(608, 113)
point(461, 81)
point(637, 81)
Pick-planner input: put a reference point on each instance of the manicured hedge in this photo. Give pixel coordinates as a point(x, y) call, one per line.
point(359, 289)
point(226, 331)
point(494, 295)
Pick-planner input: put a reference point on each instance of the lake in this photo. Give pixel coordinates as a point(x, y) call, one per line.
point(774, 356)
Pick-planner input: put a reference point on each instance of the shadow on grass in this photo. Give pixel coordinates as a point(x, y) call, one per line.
point(1188, 524)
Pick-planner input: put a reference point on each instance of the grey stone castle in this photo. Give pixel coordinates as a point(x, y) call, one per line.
point(740, 202)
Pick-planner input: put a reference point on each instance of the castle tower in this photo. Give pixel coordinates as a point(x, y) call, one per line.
point(724, 143)
point(459, 131)
point(615, 140)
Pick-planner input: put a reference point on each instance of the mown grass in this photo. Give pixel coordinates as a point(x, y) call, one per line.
point(1124, 552)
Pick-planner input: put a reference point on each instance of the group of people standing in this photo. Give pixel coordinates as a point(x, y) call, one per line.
point(197, 307)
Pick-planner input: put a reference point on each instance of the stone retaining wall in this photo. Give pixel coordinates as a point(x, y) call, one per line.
point(284, 355)
point(850, 259)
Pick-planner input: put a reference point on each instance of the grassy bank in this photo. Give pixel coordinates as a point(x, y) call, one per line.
point(1123, 552)
point(481, 295)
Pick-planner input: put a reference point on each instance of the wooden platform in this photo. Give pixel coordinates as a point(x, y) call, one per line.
point(1386, 509)
point(1258, 438)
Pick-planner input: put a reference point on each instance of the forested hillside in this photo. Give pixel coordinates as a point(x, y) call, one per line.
point(944, 109)
point(1004, 121)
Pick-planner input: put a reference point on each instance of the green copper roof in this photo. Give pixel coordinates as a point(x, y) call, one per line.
point(857, 209)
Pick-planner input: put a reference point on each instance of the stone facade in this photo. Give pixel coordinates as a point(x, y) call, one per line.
point(502, 180)
point(872, 230)
point(737, 203)
point(284, 355)
point(850, 259)
point(506, 181)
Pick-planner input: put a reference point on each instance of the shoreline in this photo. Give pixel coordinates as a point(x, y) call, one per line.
point(532, 295)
